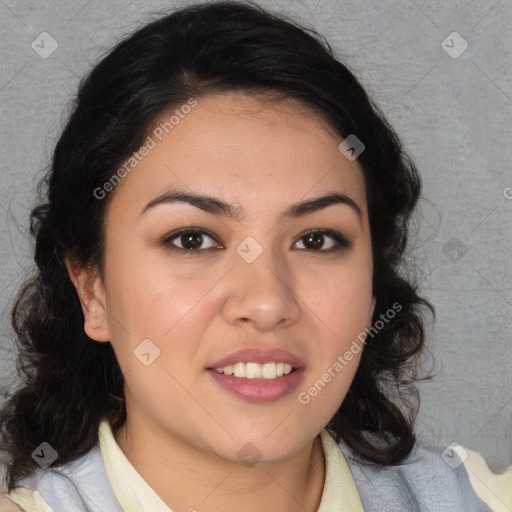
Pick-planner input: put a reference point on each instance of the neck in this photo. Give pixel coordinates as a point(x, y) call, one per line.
point(203, 482)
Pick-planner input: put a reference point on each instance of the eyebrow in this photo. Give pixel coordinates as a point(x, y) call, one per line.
point(216, 206)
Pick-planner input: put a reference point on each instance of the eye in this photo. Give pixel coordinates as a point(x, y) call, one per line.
point(196, 240)
point(315, 240)
point(191, 240)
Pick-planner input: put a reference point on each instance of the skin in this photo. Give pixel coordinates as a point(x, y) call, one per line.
point(182, 427)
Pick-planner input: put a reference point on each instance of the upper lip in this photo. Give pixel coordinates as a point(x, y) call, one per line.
point(261, 356)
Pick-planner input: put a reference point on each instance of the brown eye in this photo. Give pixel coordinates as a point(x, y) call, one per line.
point(191, 241)
point(323, 241)
point(313, 241)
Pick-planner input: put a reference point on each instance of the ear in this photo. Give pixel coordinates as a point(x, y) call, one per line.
point(91, 292)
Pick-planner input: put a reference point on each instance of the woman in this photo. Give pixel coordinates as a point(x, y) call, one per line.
point(218, 320)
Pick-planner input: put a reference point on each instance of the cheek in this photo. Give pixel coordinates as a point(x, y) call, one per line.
point(149, 294)
point(169, 305)
point(342, 299)
point(341, 306)
point(341, 310)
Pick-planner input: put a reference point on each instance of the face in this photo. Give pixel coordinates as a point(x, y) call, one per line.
point(208, 296)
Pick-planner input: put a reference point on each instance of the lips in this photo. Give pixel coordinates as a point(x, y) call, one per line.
point(260, 356)
point(258, 390)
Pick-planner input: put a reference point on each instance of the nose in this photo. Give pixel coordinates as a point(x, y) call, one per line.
point(261, 293)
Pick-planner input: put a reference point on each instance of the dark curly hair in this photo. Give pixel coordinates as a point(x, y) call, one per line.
point(69, 381)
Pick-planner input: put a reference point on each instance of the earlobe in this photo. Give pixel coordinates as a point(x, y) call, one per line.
point(91, 293)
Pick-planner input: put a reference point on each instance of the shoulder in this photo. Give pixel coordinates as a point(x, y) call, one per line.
point(58, 480)
point(24, 500)
point(77, 486)
point(39, 491)
point(427, 480)
point(493, 489)
point(6, 505)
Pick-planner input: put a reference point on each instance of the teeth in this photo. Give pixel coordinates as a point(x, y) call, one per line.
point(239, 370)
point(269, 371)
point(251, 370)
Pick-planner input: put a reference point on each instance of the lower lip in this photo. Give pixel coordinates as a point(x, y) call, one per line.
point(259, 390)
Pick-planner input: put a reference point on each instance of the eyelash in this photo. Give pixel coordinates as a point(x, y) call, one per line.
point(339, 239)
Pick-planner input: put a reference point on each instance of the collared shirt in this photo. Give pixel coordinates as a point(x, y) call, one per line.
point(494, 490)
point(134, 494)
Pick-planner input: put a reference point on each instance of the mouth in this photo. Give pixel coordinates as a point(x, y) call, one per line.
point(258, 376)
point(252, 370)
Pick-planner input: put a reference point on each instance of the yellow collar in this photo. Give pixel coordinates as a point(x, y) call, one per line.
point(135, 495)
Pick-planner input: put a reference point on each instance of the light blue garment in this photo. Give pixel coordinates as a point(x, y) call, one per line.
point(425, 483)
point(81, 485)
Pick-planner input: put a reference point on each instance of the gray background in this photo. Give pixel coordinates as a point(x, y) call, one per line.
point(453, 114)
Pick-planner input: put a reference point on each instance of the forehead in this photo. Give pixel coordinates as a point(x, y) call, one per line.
point(250, 151)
